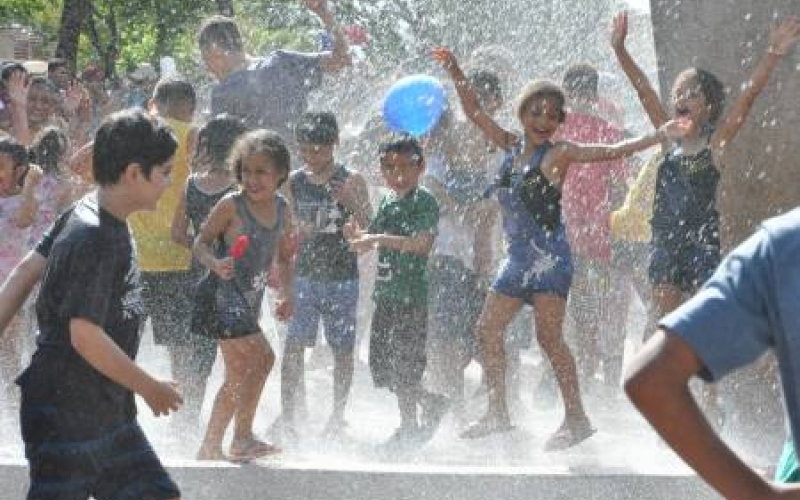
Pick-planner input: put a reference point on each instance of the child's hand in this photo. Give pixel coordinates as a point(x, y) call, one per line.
point(783, 36)
point(73, 97)
point(445, 57)
point(284, 307)
point(351, 230)
point(619, 31)
point(364, 243)
point(18, 85)
point(676, 128)
point(223, 267)
point(162, 397)
point(31, 178)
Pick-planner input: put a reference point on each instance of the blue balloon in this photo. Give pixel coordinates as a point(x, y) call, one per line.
point(414, 104)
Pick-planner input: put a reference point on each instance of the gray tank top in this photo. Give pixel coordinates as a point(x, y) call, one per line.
point(252, 269)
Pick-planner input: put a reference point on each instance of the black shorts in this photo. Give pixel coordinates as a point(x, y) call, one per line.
point(117, 465)
point(221, 311)
point(397, 345)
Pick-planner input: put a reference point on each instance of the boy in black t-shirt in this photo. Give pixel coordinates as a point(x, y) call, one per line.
point(78, 412)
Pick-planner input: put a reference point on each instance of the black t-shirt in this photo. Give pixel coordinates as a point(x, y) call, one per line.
point(91, 274)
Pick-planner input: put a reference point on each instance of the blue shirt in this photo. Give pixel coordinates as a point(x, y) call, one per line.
point(751, 304)
point(271, 93)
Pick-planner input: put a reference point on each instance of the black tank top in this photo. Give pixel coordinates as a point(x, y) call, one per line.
point(324, 254)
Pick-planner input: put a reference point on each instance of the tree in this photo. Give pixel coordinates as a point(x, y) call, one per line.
point(73, 15)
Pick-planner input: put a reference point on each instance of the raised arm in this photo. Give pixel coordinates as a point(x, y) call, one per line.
point(781, 40)
point(470, 103)
point(18, 85)
point(339, 57)
point(647, 94)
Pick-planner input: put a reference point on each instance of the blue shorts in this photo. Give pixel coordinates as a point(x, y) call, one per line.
point(522, 278)
point(685, 265)
point(118, 465)
point(334, 302)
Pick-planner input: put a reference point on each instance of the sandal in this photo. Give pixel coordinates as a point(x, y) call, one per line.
point(565, 437)
point(247, 450)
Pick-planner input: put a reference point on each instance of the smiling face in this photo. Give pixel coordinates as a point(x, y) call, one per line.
point(261, 177)
point(540, 118)
point(689, 102)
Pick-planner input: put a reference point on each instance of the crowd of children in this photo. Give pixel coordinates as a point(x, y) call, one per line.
point(184, 225)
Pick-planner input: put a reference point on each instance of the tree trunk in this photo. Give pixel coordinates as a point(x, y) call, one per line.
point(73, 15)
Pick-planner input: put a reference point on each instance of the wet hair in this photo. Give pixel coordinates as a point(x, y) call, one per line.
point(131, 136)
point(261, 142)
point(221, 31)
point(173, 91)
point(581, 80)
point(14, 149)
point(712, 88)
point(486, 83)
point(217, 137)
point(49, 148)
point(317, 128)
point(540, 89)
point(401, 144)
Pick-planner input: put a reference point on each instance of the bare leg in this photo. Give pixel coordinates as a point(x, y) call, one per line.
point(498, 312)
point(549, 318)
point(260, 360)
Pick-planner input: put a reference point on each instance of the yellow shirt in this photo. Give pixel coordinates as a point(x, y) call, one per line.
point(631, 222)
point(152, 230)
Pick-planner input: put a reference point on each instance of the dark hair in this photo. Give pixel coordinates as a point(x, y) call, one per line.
point(13, 148)
point(49, 148)
point(56, 63)
point(261, 142)
point(540, 89)
point(218, 136)
point(317, 128)
point(712, 88)
point(173, 91)
point(47, 84)
point(130, 136)
point(581, 80)
point(486, 83)
point(402, 144)
point(9, 68)
point(222, 31)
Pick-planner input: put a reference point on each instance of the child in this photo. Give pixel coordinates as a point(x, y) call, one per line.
point(18, 208)
point(403, 231)
point(54, 194)
point(685, 223)
point(538, 269)
point(228, 300)
point(78, 411)
point(211, 181)
point(747, 308)
point(457, 174)
point(165, 266)
point(323, 195)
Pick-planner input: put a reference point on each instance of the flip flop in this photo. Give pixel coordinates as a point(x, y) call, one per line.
point(248, 450)
point(565, 438)
point(486, 427)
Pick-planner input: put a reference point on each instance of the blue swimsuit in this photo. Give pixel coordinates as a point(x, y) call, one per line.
point(686, 248)
point(538, 259)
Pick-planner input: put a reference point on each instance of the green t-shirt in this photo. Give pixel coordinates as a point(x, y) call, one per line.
point(401, 276)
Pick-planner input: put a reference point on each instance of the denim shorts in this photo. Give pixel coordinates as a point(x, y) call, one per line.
point(335, 303)
point(522, 278)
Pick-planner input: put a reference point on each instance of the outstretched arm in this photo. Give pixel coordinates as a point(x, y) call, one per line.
point(339, 57)
point(18, 286)
point(657, 383)
point(469, 101)
point(782, 38)
point(647, 94)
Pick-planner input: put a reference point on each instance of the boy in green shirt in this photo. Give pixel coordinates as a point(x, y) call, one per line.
point(403, 231)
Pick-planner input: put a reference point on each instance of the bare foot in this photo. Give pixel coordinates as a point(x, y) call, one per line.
point(211, 453)
point(246, 450)
point(487, 426)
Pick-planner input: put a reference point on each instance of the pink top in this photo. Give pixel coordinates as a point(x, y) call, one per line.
point(586, 193)
point(47, 197)
point(13, 241)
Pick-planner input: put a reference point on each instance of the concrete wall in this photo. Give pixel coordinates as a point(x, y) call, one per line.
point(727, 37)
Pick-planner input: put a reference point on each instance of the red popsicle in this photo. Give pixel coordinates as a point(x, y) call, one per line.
point(239, 246)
